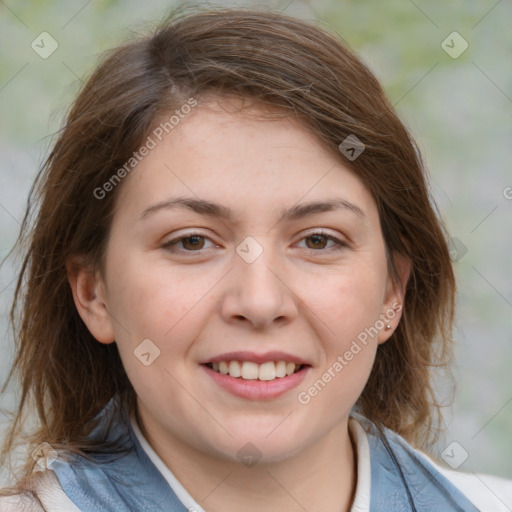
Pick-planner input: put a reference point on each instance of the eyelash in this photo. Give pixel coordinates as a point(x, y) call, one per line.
point(168, 245)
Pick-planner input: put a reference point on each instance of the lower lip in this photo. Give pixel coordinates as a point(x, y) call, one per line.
point(257, 389)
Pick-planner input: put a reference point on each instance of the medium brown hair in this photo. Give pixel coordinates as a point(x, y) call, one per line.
point(283, 63)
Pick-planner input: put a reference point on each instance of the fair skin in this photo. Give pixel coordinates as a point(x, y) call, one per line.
point(199, 298)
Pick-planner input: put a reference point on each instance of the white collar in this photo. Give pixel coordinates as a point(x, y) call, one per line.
point(359, 441)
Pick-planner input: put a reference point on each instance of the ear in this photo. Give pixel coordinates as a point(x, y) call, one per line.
point(394, 300)
point(90, 299)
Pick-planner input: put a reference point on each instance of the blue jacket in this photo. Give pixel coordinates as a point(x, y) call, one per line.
point(401, 480)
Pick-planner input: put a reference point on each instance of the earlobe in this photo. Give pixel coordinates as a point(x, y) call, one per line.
point(89, 295)
point(395, 298)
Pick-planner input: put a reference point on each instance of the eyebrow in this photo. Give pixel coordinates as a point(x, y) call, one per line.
point(216, 210)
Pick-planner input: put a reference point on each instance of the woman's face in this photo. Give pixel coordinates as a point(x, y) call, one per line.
point(243, 239)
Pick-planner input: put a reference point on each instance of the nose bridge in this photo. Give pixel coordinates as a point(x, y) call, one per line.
point(255, 260)
point(258, 293)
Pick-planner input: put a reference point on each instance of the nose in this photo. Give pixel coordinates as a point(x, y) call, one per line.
point(259, 293)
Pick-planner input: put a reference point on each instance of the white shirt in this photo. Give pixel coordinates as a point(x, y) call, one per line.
point(362, 498)
point(487, 493)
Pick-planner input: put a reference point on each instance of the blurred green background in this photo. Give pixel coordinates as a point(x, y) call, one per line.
point(459, 110)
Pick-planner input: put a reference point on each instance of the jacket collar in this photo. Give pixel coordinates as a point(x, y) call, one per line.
point(401, 480)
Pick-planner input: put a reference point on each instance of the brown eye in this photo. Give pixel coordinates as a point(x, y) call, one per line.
point(318, 241)
point(192, 242)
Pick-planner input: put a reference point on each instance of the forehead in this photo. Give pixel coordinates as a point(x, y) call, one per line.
point(249, 157)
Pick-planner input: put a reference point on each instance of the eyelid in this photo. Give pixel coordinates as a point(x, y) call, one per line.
point(318, 231)
point(339, 240)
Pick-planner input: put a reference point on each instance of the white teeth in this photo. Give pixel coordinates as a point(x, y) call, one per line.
point(267, 371)
point(280, 369)
point(290, 368)
point(249, 370)
point(252, 371)
point(235, 370)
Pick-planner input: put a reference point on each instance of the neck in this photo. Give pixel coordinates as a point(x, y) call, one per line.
point(321, 477)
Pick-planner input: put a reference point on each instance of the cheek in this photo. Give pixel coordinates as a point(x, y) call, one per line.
point(154, 299)
point(346, 300)
point(154, 328)
point(346, 309)
point(162, 304)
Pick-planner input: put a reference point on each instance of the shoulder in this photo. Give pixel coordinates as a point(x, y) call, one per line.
point(486, 492)
point(397, 461)
point(46, 495)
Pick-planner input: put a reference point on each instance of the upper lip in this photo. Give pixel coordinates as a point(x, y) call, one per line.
point(254, 357)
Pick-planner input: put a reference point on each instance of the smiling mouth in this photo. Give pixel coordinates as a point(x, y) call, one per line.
point(248, 370)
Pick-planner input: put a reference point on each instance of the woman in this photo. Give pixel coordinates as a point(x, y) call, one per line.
point(236, 286)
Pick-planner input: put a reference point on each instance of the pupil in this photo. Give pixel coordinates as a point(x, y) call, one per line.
point(195, 240)
point(317, 238)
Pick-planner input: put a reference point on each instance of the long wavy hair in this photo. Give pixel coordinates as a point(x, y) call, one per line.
point(288, 65)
